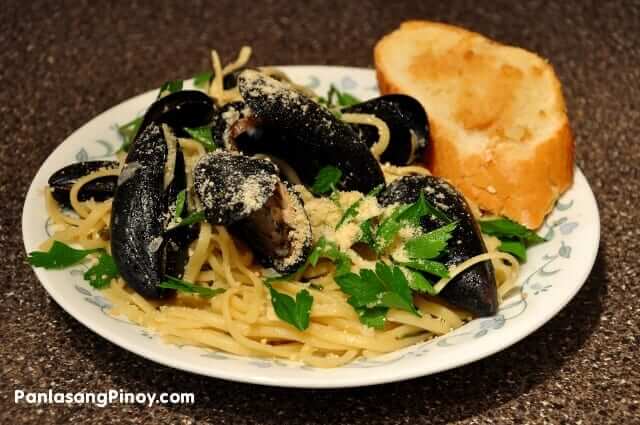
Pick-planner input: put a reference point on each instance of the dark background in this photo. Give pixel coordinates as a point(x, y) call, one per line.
point(61, 63)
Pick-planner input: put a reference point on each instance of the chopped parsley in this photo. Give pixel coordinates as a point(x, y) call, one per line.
point(100, 275)
point(190, 288)
point(514, 237)
point(169, 87)
point(400, 217)
point(352, 211)
point(366, 233)
point(203, 136)
point(329, 250)
point(380, 289)
point(61, 255)
point(322, 249)
point(296, 311)
point(431, 244)
point(180, 202)
point(326, 181)
point(202, 79)
point(192, 218)
point(128, 132)
point(336, 98)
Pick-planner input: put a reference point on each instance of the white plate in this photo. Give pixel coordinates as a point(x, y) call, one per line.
point(554, 273)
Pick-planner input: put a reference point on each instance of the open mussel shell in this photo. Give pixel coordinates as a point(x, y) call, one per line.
point(146, 186)
point(279, 232)
point(232, 186)
point(99, 189)
point(475, 288)
point(306, 135)
point(407, 122)
point(184, 108)
point(247, 195)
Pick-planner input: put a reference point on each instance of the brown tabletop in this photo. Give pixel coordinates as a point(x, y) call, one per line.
point(63, 63)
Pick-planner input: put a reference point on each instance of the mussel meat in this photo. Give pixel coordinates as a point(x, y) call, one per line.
point(99, 189)
point(407, 122)
point(247, 195)
point(475, 288)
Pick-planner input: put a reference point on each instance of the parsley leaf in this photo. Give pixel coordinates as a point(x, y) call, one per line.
point(295, 312)
point(366, 233)
point(385, 287)
point(169, 87)
point(364, 289)
point(128, 132)
point(429, 266)
point(341, 98)
point(203, 136)
point(517, 248)
point(349, 214)
point(336, 98)
point(182, 286)
point(434, 211)
point(329, 250)
point(322, 249)
point(431, 244)
point(59, 256)
point(326, 180)
point(505, 228)
point(202, 79)
point(192, 218)
point(514, 237)
point(402, 215)
point(419, 283)
point(280, 278)
point(180, 201)
point(100, 275)
point(399, 295)
point(353, 209)
point(347, 99)
point(373, 317)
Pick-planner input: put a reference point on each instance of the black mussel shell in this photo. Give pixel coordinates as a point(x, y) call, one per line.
point(184, 108)
point(279, 232)
point(99, 189)
point(138, 214)
point(232, 186)
point(306, 135)
point(407, 122)
point(475, 288)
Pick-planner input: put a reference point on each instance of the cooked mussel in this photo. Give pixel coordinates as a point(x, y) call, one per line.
point(475, 288)
point(407, 122)
point(152, 177)
point(184, 108)
point(247, 195)
point(99, 189)
point(305, 134)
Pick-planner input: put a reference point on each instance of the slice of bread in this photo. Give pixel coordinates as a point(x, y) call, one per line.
point(499, 127)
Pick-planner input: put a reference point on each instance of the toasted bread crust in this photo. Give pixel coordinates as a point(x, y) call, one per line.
point(500, 179)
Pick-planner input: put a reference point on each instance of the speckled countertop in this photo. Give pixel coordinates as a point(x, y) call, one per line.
point(61, 63)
